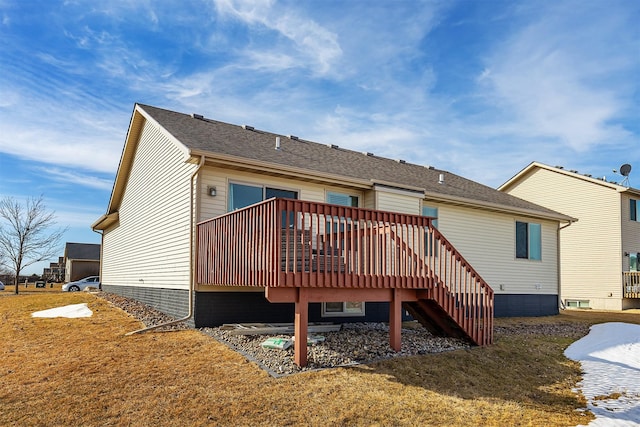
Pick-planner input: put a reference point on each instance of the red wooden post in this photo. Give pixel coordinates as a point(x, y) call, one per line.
point(301, 327)
point(395, 320)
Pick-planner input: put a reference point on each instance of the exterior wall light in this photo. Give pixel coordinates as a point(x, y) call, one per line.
point(211, 191)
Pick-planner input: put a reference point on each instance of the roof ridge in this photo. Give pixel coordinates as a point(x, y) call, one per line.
point(259, 147)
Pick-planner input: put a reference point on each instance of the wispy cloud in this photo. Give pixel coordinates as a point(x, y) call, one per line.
point(78, 179)
point(313, 46)
point(547, 78)
point(411, 79)
point(57, 144)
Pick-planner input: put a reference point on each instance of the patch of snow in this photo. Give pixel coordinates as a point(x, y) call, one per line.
point(610, 359)
point(70, 311)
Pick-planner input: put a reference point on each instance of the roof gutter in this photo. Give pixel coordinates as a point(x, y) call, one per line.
point(280, 169)
point(234, 161)
point(101, 233)
point(498, 207)
point(192, 273)
point(105, 221)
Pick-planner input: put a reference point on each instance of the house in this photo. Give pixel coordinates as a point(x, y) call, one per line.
point(234, 224)
point(55, 272)
point(81, 260)
point(599, 253)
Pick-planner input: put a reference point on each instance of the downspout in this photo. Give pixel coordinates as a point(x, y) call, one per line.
point(560, 303)
point(101, 246)
point(193, 256)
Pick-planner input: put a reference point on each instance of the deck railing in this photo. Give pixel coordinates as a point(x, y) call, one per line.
point(631, 284)
point(294, 243)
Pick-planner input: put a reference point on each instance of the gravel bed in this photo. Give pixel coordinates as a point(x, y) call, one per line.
point(355, 343)
point(560, 329)
point(142, 312)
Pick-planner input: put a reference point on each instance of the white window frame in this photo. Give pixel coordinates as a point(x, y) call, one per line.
point(576, 303)
point(345, 311)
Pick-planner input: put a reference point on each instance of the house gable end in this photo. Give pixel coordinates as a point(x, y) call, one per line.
point(138, 120)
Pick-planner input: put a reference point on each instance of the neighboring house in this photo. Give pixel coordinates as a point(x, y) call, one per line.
point(177, 170)
point(599, 253)
point(81, 260)
point(55, 272)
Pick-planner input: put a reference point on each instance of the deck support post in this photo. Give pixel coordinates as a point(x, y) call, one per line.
point(395, 319)
point(301, 327)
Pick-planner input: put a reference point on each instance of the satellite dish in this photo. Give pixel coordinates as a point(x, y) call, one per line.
point(625, 169)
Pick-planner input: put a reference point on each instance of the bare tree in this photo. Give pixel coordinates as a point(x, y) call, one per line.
point(26, 234)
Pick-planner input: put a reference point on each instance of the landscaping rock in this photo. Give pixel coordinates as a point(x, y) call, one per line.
point(355, 343)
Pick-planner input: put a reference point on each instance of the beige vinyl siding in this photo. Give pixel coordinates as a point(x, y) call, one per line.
point(487, 241)
point(591, 247)
point(630, 230)
point(369, 199)
point(210, 207)
point(149, 246)
point(401, 203)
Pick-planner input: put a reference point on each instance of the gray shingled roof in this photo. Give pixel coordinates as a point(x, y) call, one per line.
point(217, 137)
point(82, 251)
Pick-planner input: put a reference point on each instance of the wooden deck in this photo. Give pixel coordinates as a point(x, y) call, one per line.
point(631, 284)
point(304, 252)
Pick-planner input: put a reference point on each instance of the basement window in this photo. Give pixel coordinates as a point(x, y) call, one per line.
point(342, 309)
point(575, 303)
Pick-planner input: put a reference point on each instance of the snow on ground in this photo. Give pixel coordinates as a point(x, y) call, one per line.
point(610, 359)
point(70, 311)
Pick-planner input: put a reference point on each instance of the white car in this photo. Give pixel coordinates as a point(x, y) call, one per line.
point(80, 285)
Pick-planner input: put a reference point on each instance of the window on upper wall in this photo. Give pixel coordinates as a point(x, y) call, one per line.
point(633, 261)
point(528, 241)
point(432, 212)
point(342, 199)
point(633, 210)
point(242, 195)
point(341, 308)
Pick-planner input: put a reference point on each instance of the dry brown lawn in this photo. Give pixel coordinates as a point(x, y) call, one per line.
point(63, 372)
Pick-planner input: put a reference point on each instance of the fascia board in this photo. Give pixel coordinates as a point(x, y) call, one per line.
point(260, 166)
point(518, 177)
point(105, 221)
point(138, 119)
point(461, 201)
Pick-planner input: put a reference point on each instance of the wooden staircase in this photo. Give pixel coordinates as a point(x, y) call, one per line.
point(435, 319)
point(443, 312)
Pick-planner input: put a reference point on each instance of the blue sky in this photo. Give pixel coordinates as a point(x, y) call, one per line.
point(480, 88)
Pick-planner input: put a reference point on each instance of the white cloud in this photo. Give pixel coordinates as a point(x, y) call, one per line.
point(78, 179)
point(55, 143)
point(547, 78)
point(316, 48)
point(78, 218)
